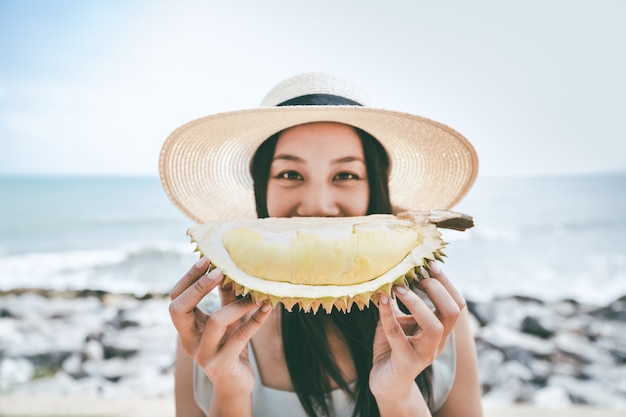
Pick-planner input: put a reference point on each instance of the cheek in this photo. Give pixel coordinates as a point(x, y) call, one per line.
point(356, 203)
point(279, 203)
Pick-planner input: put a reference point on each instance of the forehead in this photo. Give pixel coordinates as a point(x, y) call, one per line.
point(331, 137)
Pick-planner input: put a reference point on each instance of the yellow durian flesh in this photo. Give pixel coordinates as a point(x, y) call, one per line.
point(320, 252)
point(320, 262)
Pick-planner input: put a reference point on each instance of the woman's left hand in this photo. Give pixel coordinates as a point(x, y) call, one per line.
point(405, 344)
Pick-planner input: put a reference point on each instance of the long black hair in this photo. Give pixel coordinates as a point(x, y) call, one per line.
point(307, 351)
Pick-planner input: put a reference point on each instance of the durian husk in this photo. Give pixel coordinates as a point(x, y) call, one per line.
point(325, 263)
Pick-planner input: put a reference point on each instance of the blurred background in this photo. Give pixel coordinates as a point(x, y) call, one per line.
point(89, 91)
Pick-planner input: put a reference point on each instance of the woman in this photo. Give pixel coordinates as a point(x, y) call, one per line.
point(326, 155)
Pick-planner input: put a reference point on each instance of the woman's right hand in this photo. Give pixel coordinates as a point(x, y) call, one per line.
point(218, 342)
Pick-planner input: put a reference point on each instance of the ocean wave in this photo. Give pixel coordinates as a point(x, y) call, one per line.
point(135, 220)
point(532, 228)
point(134, 268)
point(497, 234)
point(482, 272)
point(485, 233)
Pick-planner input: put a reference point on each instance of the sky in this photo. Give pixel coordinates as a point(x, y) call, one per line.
point(94, 87)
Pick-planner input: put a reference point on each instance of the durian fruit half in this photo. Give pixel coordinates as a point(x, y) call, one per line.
point(324, 261)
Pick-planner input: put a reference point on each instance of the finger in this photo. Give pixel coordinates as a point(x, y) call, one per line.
point(446, 308)
point(196, 271)
point(393, 331)
point(437, 273)
point(425, 318)
point(239, 338)
point(186, 302)
point(216, 328)
point(397, 311)
point(227, 294)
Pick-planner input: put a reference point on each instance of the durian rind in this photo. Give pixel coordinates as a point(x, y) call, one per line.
point(427, 247)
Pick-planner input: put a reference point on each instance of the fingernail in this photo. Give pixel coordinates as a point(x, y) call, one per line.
point(383, 299)
point(215, 272)
point(265, 308)
point(202, 262)
point(434, 267)
point(401, 290)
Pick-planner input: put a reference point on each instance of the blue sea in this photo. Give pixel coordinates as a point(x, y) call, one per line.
point(547, 237)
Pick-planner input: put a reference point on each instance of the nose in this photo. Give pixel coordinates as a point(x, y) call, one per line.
point(318, 201)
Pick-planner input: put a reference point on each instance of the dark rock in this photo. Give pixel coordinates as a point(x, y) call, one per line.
point(6, 313)
point(523, 356)
point(481, 311)
point(528, 299)
point(48, 363)
point(619, 355)
point(115, 352)
point(96, 335)
point(537, 327)
point(121, 322)
point(99, 294)
point(614, 311)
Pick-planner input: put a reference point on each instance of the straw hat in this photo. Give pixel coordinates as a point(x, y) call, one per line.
point(204, 164)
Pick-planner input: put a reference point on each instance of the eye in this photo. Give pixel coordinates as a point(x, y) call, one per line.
point(344, 176)
point(289, 175)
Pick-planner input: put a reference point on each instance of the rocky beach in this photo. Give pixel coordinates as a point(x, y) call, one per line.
point(101, 348)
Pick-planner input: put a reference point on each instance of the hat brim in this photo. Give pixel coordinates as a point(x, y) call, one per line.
point(204, 164)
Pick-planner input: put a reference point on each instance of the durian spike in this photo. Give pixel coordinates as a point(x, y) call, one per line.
point(228, 281)
point(288, 303)
point(418, 273)
point(260, 298)
point(315, 305)
point(341, 304)
point(240, 290)
point(411, 275)
point(327, 305)
point(361, 300)
point(401, 281)
point(385, 289)
point(374, 298)
point(305, 304)
point(274, 300)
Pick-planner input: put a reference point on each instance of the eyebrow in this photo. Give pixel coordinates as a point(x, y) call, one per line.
point(343, 159)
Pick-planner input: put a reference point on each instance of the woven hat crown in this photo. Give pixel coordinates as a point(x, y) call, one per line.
point(314, 83)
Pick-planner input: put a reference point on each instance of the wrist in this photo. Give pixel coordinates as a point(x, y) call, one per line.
point(236, 405)
point(408, 402)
